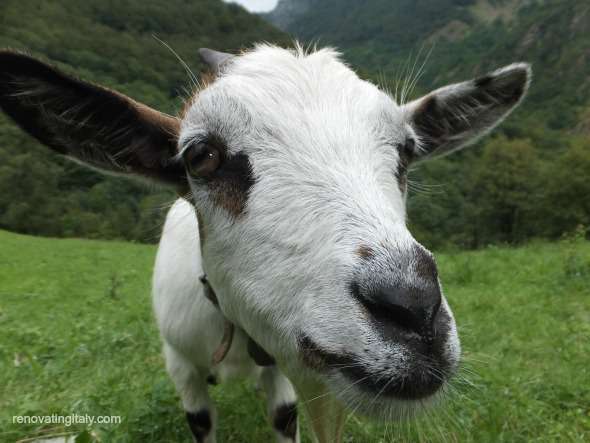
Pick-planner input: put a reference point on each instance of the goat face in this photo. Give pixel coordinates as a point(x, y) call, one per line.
point(297, 170)
point(304, 216)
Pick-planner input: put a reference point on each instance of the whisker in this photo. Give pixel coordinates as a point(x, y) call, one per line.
point(410, 76)
point(421, 71)
point(192, 77)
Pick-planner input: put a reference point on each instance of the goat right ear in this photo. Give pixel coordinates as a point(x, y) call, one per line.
point(455, 116)
point(94, 125)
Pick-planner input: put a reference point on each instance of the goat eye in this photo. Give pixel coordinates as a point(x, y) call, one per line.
point(202, 160)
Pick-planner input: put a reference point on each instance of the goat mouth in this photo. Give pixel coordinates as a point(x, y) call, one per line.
point(419, 384)
point(420, 380)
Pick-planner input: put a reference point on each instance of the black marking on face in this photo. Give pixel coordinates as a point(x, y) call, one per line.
point(259, 355)
point(229, 184)
point(318, 358)
point(211, 380)
point(230, 187)
point(285, 420)
point(199, 424)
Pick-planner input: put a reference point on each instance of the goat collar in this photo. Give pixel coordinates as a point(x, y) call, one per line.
point(259, 355)
point(228, 327)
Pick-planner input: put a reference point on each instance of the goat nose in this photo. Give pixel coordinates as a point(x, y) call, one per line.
point(411, 309)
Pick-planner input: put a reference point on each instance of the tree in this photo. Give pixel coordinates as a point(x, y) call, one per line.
point(505, 192)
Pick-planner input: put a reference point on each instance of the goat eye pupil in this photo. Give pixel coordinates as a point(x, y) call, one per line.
point(202, 160)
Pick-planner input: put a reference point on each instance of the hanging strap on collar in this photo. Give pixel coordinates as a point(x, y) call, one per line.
point(228, 327)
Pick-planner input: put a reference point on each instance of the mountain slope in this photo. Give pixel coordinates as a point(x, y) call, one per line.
point(465, 37)
point(287, 12)
point(375, 24)
point(110, 42)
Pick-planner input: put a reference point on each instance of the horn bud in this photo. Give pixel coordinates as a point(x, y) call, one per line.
point(215, 59)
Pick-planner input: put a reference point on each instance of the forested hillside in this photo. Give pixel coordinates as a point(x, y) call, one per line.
point(110, 42)
point(531, 178)
point(528, 180)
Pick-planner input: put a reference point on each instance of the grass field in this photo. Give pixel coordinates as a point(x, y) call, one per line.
point(77, 336)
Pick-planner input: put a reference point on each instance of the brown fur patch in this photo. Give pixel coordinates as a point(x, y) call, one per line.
point(231, 184)
point(365, 252)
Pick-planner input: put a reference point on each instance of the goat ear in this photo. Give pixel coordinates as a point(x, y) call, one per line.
point(454, 116)
point(96, 126)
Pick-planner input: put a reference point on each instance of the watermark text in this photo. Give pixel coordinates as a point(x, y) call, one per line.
point(67, 420)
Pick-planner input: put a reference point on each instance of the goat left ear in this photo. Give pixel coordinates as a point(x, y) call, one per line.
point(454, 116)
point(88, 123)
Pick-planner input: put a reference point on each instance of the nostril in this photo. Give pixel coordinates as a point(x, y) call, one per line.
point(409, 310)
point(403, 318)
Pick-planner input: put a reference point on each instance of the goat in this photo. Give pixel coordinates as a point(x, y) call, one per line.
point(291, 260)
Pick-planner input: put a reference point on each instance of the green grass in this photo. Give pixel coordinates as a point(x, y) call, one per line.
point(77, 335)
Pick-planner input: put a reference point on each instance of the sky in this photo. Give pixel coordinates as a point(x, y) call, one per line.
point(256, 5)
